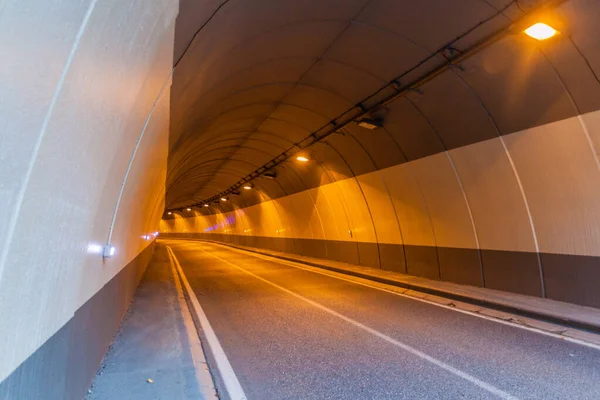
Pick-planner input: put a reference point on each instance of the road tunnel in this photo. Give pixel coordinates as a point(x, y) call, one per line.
point(454, 141)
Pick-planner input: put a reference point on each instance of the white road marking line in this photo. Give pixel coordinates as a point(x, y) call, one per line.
point(203, 376)
point(232, 385)
point(477, 382)
point(334, 274)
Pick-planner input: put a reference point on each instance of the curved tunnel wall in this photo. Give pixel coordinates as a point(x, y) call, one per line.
point(264, 75)
point(84, 87)
point(517, 213)
point(486, 174)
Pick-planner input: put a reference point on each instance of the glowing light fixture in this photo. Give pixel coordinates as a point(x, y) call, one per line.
point(541, 31)
point(94, 248)
point(370, 123)
point(108, 251)
point(189, 209)
point(206, 205)
point(302, 159)
point(248, 186)
point(224, 199)
point(170, 213)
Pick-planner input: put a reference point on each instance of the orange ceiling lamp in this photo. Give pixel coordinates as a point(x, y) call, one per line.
point(540, 31)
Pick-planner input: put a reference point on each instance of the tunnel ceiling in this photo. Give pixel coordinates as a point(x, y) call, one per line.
point(256, 78)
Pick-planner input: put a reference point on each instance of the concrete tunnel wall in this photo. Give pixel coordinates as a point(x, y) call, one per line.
point(502, 214)
point(84, 88)
point(488, 175)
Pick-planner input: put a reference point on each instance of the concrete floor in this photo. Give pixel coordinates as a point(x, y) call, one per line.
point(295, 334)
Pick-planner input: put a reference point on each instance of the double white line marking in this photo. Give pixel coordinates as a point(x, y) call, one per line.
point(230, 380)
point(461, 374)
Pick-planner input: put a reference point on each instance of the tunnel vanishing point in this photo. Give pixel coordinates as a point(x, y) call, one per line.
point(453, 140)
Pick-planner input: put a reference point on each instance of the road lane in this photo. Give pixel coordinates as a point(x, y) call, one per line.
point(282, 346)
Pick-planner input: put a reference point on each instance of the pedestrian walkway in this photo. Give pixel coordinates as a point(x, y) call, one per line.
point(152, 356)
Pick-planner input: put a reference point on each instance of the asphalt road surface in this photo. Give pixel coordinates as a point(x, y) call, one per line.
point(290, 333)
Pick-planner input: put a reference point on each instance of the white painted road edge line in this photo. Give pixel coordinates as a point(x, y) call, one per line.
point(477, 382)
point(207, 387)
point(230, 380)
point(336, 275)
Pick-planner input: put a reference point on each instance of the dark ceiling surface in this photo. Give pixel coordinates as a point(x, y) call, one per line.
point(260, 76)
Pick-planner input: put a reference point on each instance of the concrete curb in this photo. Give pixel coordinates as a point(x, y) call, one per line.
point(526, 310)
point(203, 374)
point(222, 366)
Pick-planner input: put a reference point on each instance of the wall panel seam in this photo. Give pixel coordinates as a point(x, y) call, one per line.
point(517, 177)
point(366, 203)
point(132, 159)
point(23, 187)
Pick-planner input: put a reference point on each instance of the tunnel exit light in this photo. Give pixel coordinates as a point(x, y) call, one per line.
point(540, 31)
